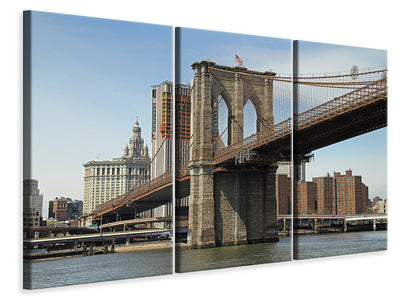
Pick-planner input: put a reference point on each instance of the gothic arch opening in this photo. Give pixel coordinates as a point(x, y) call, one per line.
point(249, 119)
point(221, 123)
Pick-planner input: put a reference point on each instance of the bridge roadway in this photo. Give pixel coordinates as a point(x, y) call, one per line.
point(350, 115)
point(125, 224)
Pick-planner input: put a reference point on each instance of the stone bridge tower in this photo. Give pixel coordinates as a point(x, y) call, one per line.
point(229, 204)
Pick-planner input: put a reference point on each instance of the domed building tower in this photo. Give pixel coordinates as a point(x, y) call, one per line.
point(106, 180)
point(136, 142)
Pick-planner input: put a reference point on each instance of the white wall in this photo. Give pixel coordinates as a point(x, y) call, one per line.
point(359, 23)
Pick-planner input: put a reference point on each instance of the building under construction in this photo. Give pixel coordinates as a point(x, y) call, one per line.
point(162, 131)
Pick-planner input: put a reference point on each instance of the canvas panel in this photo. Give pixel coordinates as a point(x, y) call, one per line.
point(233, 96)
point(340, 144)
point(87, 145)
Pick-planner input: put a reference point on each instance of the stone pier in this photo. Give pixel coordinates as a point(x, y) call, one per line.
point(229, 204)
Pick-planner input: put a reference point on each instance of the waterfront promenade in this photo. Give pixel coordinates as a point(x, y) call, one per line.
point(94, 243)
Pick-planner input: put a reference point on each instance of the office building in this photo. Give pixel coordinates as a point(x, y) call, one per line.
point(106, 180)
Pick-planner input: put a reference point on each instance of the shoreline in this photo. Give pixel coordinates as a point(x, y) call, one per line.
point(143, 246)
point(118, 249)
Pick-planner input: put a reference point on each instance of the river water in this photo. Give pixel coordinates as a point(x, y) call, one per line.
point(323, 245)
point(234, 256)
point(88, 269)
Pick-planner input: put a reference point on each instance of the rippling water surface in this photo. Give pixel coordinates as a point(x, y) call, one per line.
point(323, 245)
point(224, 257)
point(88, 269)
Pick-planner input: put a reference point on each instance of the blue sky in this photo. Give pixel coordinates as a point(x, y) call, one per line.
point(90, 79)
point(257, 52)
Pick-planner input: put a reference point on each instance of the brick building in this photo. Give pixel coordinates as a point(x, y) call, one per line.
point(58, 209)
point(63, 209)
point(304, 197)
point(283, 192)
point(341, 194)
point(351, 194)
point(326, 195)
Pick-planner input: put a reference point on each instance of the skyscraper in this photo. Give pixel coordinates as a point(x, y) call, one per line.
point(32, 203)
point(162, 134)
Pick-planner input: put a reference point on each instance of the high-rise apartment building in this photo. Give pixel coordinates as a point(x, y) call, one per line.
point(304, 197)
point(341, 194)
point(105, 180)
point(329, 195)
point(351, 194)
point(326, 195)
point(32, 203)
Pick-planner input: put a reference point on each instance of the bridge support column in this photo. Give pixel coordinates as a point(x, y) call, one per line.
point(201, 201)
point(374, 225)
point(230, 209)
point(261, 206)
point(284, 225)
point(245, 207)
point(201, 208)
point(315, 225)
point(236, 132)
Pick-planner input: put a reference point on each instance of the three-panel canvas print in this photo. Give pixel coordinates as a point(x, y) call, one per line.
point(150, 150)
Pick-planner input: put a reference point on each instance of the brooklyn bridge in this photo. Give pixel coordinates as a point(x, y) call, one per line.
point(230, 177)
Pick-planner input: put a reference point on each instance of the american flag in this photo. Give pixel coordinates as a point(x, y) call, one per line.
point(238, 60)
